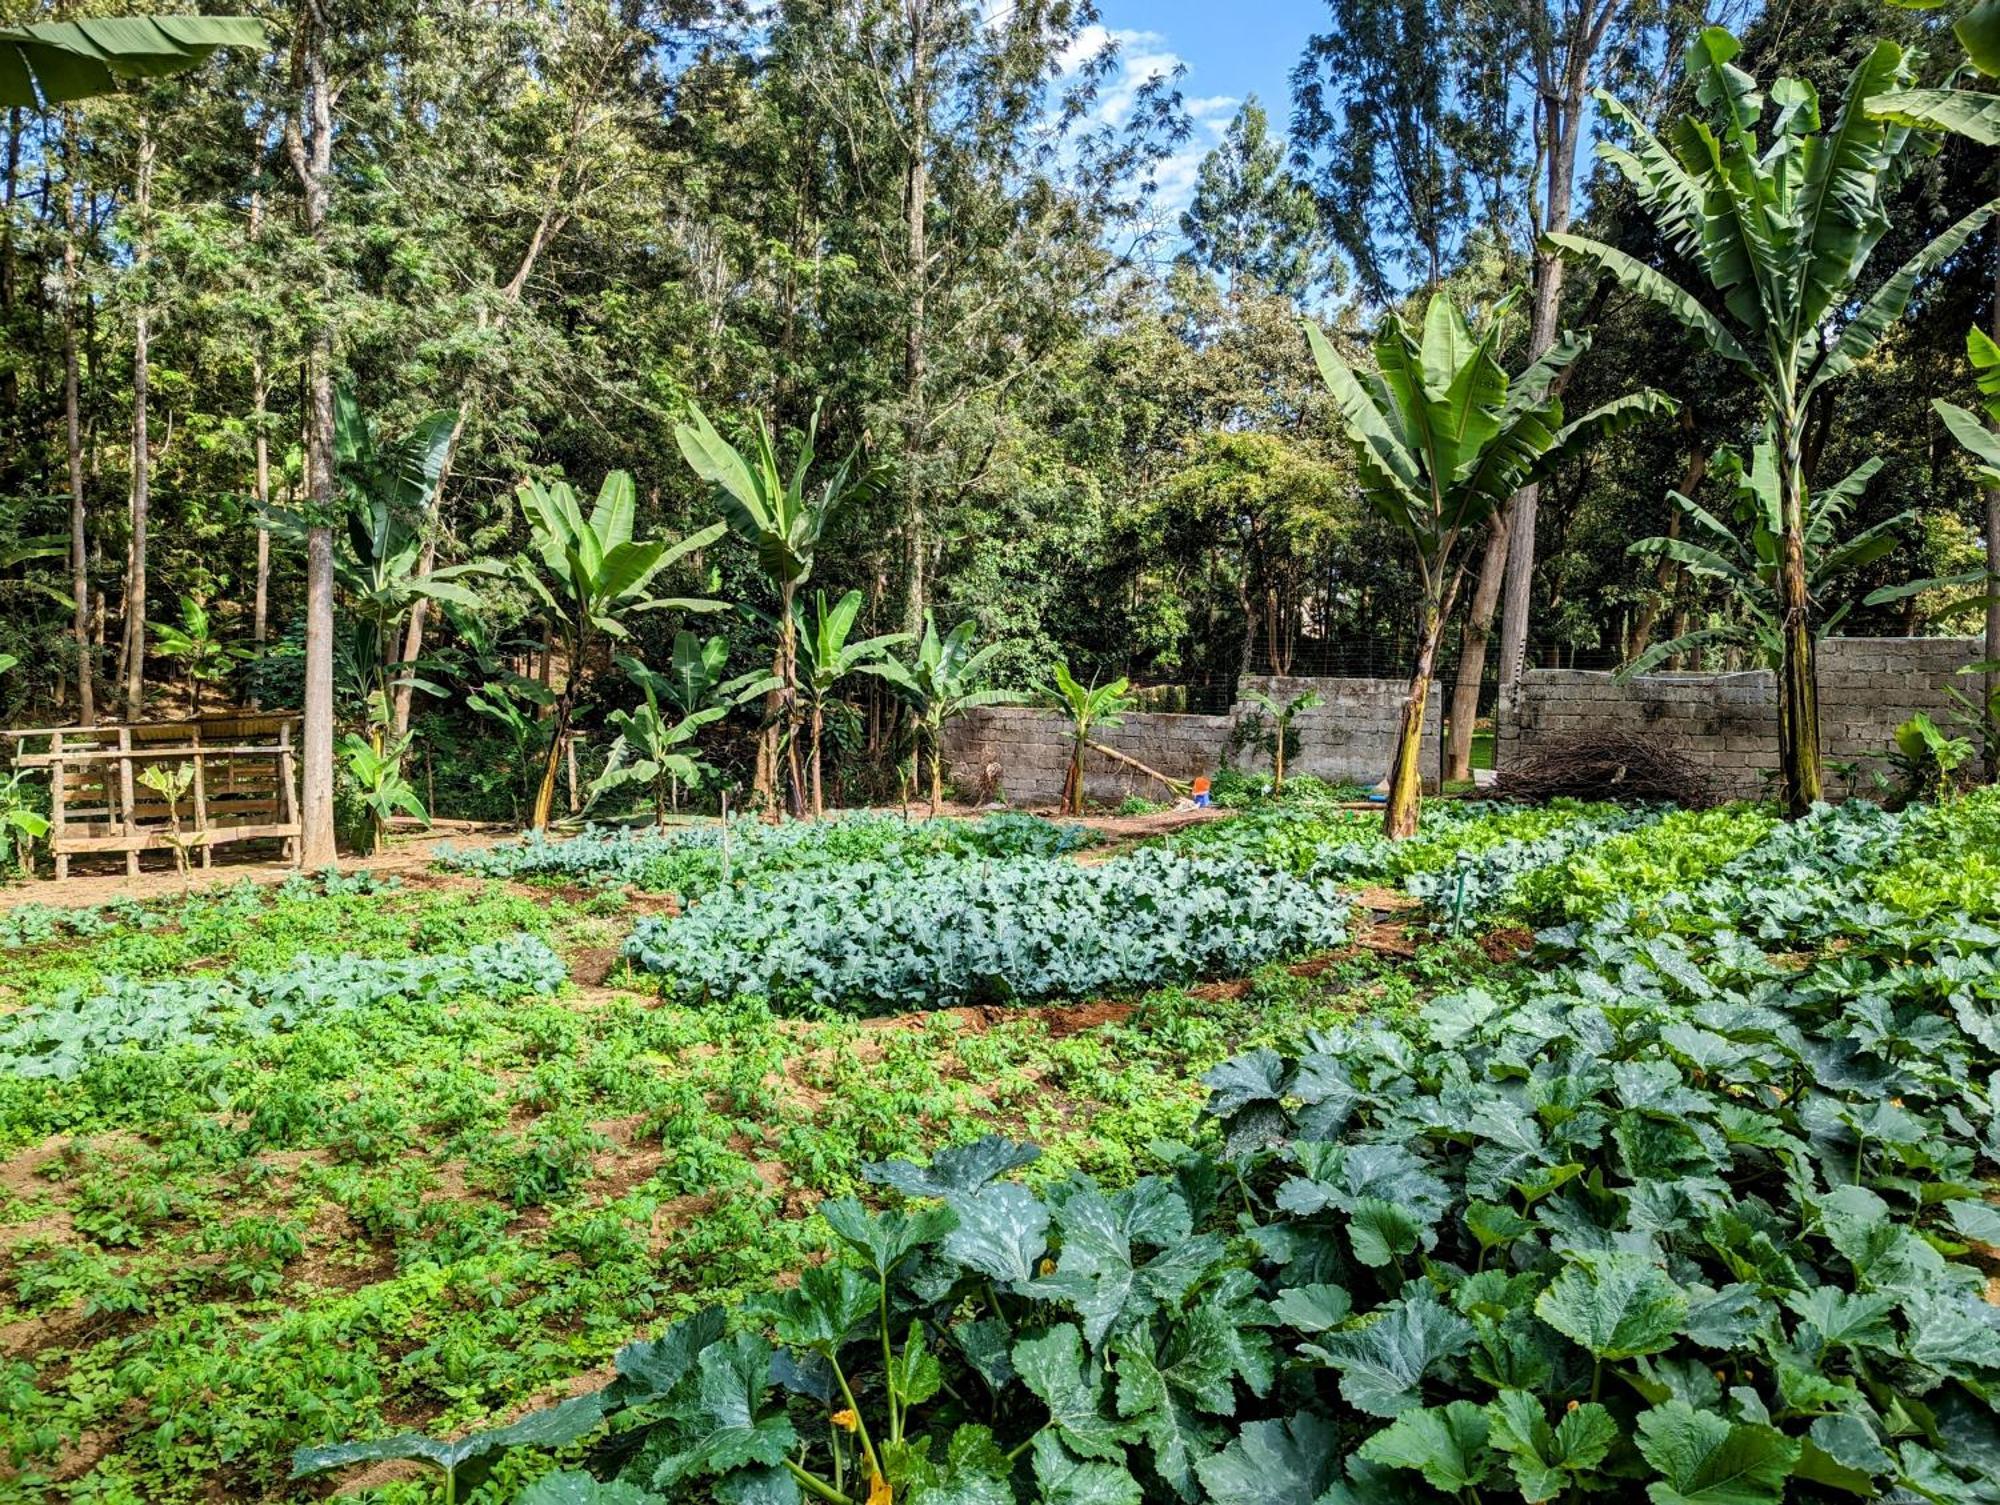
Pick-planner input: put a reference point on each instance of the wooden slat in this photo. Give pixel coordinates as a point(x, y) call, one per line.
point(156, 840)
point(144, 754)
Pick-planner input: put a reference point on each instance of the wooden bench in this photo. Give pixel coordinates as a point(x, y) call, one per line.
point(244, 786)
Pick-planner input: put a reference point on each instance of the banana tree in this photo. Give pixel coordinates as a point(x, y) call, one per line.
point(1282, 715)
point(1442, 436)
point(826, 657)
point(1744, 553)
point(783, 517)
point(379, 783)
point(654, 747)
point(55, 62)
point(678, 703)
point(942, 682)
point(693, 677)
point(1088, 708)
point(203, 656)
point(389, 491)
point(588, 576)
point(1781, 232)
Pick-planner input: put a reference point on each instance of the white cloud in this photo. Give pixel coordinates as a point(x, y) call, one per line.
point(1143, 57)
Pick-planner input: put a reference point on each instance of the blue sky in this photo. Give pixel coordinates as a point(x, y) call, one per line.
point(1231, 48)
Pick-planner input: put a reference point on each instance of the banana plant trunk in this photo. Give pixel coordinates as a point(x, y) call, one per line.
point(545, 791)
point(1278, 756)
point(1798, 671)
point(1406, 784)
point(1072, 794)
point(818, 720)
point(937, 775)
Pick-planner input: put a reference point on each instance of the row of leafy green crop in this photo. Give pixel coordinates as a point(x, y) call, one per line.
point(1844, 869)
point(877, 937)
point(1690, 1217)
point(694, 859)
point(62, 1037)
point(1349, 844)
point(35, 924)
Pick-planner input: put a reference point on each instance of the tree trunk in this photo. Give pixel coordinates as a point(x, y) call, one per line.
point(1563, 85)
point(1993, 583)
point(818, 808)
point(545, 792)
point(313, 161)
point(916, 196)
point(10, 382)
point(937, 775)
point(1472, 650)
point(1399, 819)
point(135, 571)
point(788, 643)
point(259, 401)
point(1798, 678)
point(79, 533)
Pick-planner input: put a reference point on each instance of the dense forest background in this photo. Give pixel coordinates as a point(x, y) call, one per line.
point(930, 222)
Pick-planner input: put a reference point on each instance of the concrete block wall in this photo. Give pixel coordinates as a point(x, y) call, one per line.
point(1021, 755)
point(1729, 722)
point(1350, 737)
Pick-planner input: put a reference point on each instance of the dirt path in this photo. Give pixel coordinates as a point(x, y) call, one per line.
point(408, 854)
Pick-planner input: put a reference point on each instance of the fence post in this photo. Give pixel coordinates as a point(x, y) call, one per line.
point(126, 802)
point(201, 800)
point(58, 805)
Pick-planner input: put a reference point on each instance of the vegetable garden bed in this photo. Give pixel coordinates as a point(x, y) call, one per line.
point(1393, 1229)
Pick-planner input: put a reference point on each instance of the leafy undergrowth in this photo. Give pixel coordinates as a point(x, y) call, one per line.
point(407, 1192)
point(1702, 1209)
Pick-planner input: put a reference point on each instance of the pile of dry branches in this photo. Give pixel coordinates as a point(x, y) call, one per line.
point(1610, 764)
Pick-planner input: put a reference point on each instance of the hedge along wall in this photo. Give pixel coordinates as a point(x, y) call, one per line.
point(1020, 755)
point(1729, 722)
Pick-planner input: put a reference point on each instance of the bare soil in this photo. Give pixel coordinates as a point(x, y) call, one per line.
point(408, 857)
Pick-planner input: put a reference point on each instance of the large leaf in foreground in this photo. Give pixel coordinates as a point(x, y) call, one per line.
point(1618, 1306)
point(1274, 1463)
point(1383, 1364)
point(1705, 1459)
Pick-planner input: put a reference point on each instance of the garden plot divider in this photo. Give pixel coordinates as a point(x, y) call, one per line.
point(1020, 754)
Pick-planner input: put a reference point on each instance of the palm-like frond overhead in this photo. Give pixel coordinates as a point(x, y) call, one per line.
point(1443, 436)
point(1781, 230)
point(55, 62)
point(782, 516)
